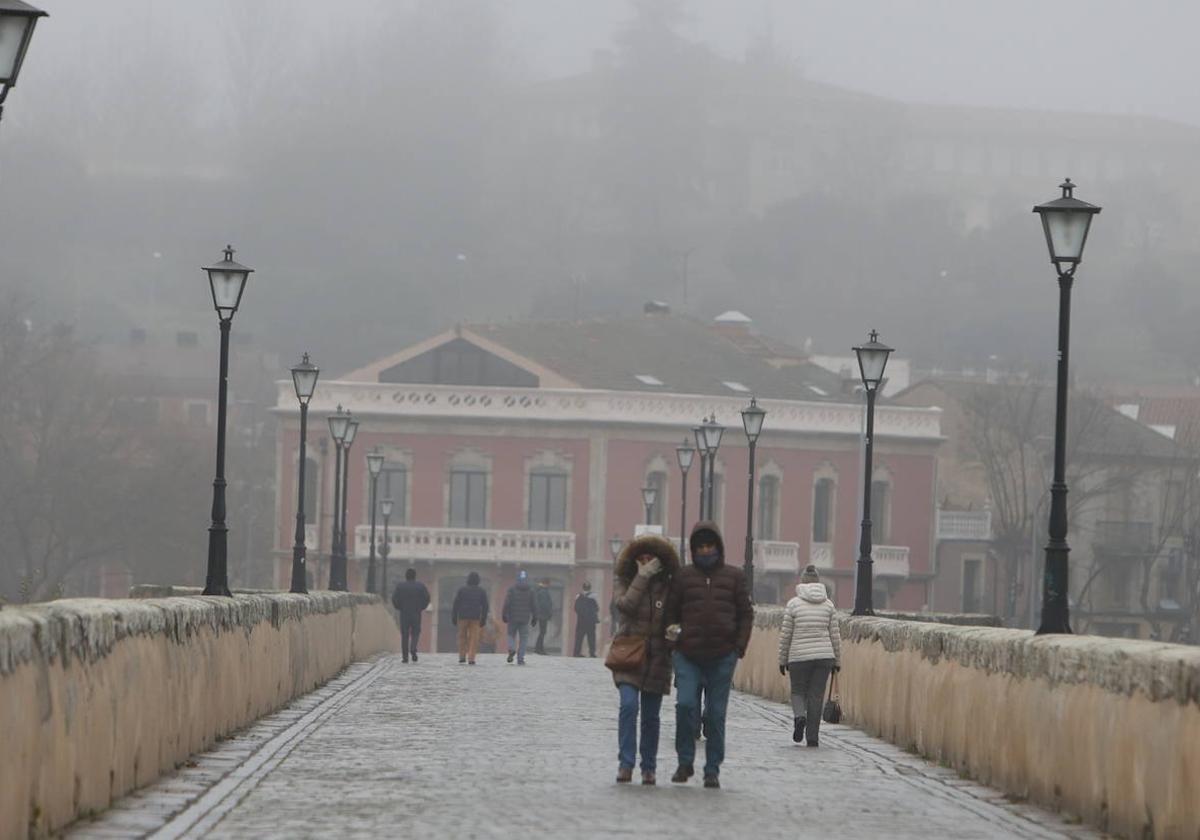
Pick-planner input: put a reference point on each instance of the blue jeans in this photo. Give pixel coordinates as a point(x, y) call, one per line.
point(627, 739)
point(521, 630)
point(717, 678)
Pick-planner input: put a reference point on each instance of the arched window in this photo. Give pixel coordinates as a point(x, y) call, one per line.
point(547, 500)
point(658, 480)
point(467, 489)
point(393, 484)
point(822, 513)
point(768, 507)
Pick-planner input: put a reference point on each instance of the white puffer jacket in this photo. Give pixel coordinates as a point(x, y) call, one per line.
point(810, 627)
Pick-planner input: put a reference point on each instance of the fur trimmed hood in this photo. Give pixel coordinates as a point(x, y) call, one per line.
point(660, 547)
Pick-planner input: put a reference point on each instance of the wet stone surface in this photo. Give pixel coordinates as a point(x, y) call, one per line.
point(438, 749)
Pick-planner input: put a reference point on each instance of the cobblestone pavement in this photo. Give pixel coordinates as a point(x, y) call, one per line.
point(441, 750)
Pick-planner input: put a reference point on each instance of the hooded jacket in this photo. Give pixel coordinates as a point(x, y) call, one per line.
point(640, 604)
point(520, 604)
point(711, 606)
point(810, 627)
point(470, 603)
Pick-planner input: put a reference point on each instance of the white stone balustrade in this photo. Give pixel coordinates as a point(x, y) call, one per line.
point(535, 548)
point(974, 525)
point(775, 556)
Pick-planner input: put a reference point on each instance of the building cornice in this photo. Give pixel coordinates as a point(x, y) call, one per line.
point(622, 408)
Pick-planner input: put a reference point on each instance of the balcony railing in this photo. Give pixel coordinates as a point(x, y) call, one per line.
point(973, 525)
point(535, 548)
point(773, 556)
point(888, 560)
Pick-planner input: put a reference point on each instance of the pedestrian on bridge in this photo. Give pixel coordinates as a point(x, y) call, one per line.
point(587, 616)
point(709, 617)
point(642, 581)
point(810, 649)
point(519, 613)
point(469, 614)
point(545, 611)
point(410, 598)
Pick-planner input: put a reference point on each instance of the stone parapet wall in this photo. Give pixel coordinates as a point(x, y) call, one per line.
point(1105, 729)
point(99, 697)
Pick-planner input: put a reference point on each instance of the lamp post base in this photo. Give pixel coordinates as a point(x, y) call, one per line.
point(862, 591)
point(217, 580)
point(1056, 610)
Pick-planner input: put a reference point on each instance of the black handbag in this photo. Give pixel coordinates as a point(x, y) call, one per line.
point(832, 713)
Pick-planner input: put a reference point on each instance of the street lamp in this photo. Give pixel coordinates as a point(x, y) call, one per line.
point(685, 452)
point(339, 424)
point(712, 441)
point(227, 280)
point(649, 497)
point(872, 359)
point(17, 21)
point(374, 467)
point(698, 434)
point(304, 379)
point(752, 422)
point(385, 507)
point(1065, 221)
point(340, 561)
point(615, 544)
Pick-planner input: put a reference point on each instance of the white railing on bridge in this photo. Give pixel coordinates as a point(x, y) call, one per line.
point(964, 525)
point(888, 560)
point(553, 548)
point(775, 556)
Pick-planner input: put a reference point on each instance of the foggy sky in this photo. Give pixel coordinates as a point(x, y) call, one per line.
point(1105, 56)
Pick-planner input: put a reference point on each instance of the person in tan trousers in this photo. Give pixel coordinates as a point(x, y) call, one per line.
point(469, 614)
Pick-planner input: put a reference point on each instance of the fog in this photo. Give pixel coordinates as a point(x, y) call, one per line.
point(393, 167)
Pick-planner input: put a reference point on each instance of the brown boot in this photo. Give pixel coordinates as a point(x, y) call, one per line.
point(648, 777)
point(624, 774)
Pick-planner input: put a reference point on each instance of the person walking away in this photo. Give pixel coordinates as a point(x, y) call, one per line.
point(545, 609)
point(709, 617)
point(642, 579)
point(519, 613)
point(410, 598)
point(810, 649)
point(469, 614)
point(587, 616)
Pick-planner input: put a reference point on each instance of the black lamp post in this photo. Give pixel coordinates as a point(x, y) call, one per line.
point(1066, 221)
point(385, 507)
point(615, 543)
point(702, 449)
point(685, 452)
point(17, 21)
point(752, 422)
point(374, 467)
point(304, 378)
point(227, 280)
point(712, 442)
point(649, 497)
point(872, 359)
point(339, 423)
point(342, 559)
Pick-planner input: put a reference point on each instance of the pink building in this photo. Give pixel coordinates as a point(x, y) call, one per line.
point(515, 446)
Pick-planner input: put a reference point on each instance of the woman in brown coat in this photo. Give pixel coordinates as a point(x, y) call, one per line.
point(642, 579)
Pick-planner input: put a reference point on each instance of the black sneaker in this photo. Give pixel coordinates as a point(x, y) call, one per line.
point(712, 782)
point(511, 656)
point(682, 773)
point(798, 729)
point(414, 655)
point(461, 660)
point(405, 660)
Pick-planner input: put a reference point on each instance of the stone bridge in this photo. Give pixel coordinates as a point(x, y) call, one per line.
point(287, 716)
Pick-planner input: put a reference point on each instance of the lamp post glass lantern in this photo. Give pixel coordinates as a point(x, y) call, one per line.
point(685, 453)
point(614, 546)
point(223, 277)
point(17, 22)
point(304, 380)
point(1066, 221)
point(712, 441)
point(374, 467)
point(649, 497)
point(872, 362)
point(752, 423)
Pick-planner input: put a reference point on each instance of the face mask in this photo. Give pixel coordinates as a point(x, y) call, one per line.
point(707, 560)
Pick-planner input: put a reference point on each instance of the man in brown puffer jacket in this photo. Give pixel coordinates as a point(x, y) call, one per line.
point(709, 613)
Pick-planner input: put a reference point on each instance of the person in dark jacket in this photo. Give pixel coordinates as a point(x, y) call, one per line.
point(642, 579)
point(587, 616)
point(410, 598)
point(469, 614)
point(519, 613)
point(544, 611)
point(709, 617)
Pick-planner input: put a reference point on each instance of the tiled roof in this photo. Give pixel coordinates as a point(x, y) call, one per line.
point(686, 355)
